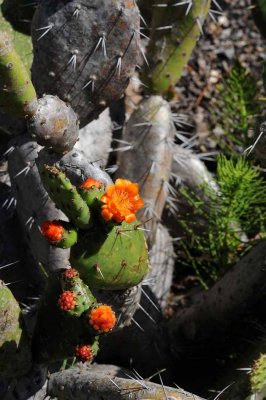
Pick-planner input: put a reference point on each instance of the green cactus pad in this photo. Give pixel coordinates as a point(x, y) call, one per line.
point(114, 259)
point(84, 298)
point(15, 355)
point(17, 94)
point(66, 197)
point(258, 376)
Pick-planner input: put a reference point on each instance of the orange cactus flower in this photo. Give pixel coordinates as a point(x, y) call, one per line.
point(122, 201)
point(53, 231)
point(84, 353)
point(70, 273)
point(90, 182)
point(102, 318)
point(67, 301)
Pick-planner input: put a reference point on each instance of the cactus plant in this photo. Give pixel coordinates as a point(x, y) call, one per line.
point(79, 226)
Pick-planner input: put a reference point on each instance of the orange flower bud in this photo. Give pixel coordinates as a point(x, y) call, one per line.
point(84, 353)
point(90, 182)
point(70, 273)
point(102, 318)
point(67, 301)
point(53, 231)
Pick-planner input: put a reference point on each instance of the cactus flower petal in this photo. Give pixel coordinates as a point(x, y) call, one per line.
point(121, 201)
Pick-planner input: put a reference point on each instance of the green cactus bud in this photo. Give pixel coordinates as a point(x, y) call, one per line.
point(114, 258)
point(15, 355)
point(66, 196)
point(91, 191)
point(17, 94)
point(59, 233)
point(258, 377)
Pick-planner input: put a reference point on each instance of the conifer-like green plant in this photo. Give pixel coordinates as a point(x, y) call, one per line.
point(223, 223)
point(235, 108)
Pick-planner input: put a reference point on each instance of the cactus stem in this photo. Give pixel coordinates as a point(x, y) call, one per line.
point(46, 30)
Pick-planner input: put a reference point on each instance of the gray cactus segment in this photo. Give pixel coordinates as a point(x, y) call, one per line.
point(75, 164)
point(95, 139)
point(54, 124)
point(33, 204)
point(216, 309)
point(15, 355)
point(87, 53)
point(107, 382)
point(149, 133)
point(162, 260)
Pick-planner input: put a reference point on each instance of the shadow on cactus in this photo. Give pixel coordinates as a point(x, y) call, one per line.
point(226, 221)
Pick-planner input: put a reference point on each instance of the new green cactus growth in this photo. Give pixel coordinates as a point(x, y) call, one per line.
point(66, 196)
point(17, 94)
point(169, 52)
